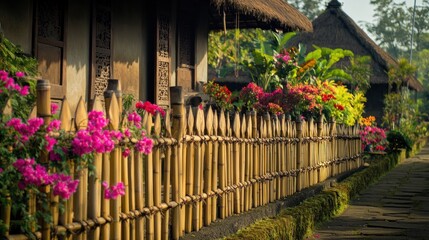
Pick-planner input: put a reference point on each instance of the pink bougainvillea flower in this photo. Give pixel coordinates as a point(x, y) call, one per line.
point(113, 191)
point(126, 152)
point(54, 108)
point(144, 145)
point(20, 74)
point(63, 185)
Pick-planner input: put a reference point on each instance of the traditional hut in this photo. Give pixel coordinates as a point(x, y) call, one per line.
point(335, 29)
point(147, 45)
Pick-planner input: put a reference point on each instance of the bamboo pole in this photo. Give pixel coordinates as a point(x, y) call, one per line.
point(43, 102)
point(115, 167)
point(5, 213)
point(190, 171)
point(198, 161)
point(80, 203)
point(132, 192)
point(139, 192)
point(229, 165)
point(255, 160)
point(178, 131)
point(94, 185)
point(249, 160)
point(149, 185)
point(298, 154)
point(168, 173)
point(67, 124)
point(244, 168)
point(157, 198)
point(208, 171)
point(222, 165)
point(236, 162)
point(215, 166)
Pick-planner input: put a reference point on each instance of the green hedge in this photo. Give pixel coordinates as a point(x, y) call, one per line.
point(298, 222)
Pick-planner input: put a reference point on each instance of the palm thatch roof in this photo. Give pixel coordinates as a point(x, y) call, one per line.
point(265, 14)
point(335, 29)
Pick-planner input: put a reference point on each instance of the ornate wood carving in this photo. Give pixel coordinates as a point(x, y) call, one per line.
point(162, 85)
point(101, 47)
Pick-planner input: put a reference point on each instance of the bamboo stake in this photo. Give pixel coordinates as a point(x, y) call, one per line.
point(115, 167)
point(255, 160)
point(283, 149)
point(198, 161)
point(167, 177)
point(80, 203)
point(249, 160)
point(222, 166)
point(244, 168)
point(236, 163)
point(149, 184)
point(157, 200)
point(66, 124)
point(190, 171)
point(298, 154)
point(139, 189)
point(43, 102)
point(229, 166)
point(132, 192)
point(208, 158)
point(177, 165)
point(94, 185)
point(215, 161)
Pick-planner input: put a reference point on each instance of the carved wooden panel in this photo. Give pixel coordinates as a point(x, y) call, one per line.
point(50, 20)
point(162, 84)
point(101, 47)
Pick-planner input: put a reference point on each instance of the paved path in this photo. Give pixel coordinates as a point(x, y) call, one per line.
point(396, 207)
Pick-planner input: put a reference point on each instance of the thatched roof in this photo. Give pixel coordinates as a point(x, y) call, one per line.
point(266, 14)
point(335, 29)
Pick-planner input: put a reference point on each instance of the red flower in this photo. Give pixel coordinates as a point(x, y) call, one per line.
point(339, 106)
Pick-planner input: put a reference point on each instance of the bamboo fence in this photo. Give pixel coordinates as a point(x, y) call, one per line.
point(205, 165)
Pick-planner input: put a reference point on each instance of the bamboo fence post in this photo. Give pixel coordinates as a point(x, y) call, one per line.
point(125, 200)
point(320, 143)
point(215, 166)
point(149, 185)
point(249, 160)
point(229, 165)
point(222, 165)
point(278, 157)
point(255, 159)
point(190, 171)
point(81, 203)
point(283, 154)
point(94, 184)
point(208, 171)
point(115, 164)
point(178, 130)
point(270, 158)
point(43, 102)
point(198, 161)
point(132, 191)
point(299, 154)
point(167, 183)
point(157, 199)
point(184, 176)
point(262, 172)
point(244, 160)
point(139, 192)
point(236, 162)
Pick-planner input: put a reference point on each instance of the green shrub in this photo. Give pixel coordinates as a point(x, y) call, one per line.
point(398, 140)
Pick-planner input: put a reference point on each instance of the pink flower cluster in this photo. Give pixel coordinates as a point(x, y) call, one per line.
point(36, 175)
point(9, 83)
point(94, 138)
point(374, 136)
point(26, 130)
point(135, 119)
point(144, 145)
point(113, 191)
point(251, 94)
point(284, 56)
point(150, 108)
point(64, 185)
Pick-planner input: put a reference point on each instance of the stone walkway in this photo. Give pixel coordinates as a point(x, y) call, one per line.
point(396, 207)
